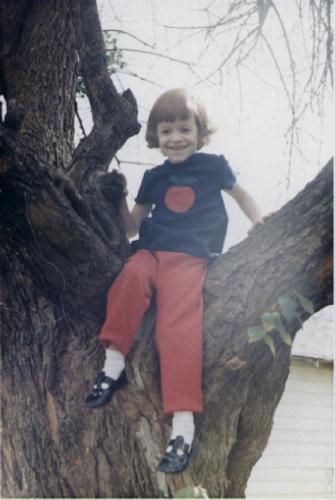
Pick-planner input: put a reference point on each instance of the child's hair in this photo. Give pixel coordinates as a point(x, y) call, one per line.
point(178, 104)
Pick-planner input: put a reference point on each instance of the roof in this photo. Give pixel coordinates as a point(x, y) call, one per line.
point(316, 338)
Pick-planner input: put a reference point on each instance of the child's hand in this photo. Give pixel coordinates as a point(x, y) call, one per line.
point(260, 221)
point(253, 227)
point(122, 180)
point(114, 187)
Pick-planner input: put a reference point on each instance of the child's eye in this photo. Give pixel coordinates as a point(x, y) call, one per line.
point(165, 131)
point(186, 130)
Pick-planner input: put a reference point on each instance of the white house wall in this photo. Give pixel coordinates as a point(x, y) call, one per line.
point(298, 460)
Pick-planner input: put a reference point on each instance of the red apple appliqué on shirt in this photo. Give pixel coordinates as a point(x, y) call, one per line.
point(180, 198)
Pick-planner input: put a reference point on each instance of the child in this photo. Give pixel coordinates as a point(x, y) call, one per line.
point(186, 229)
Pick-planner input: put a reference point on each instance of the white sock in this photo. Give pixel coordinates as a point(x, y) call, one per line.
point(114, 363)
point(183, 425)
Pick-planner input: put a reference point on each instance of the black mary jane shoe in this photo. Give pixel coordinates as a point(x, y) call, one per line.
point(103, 390)
point(176, 457)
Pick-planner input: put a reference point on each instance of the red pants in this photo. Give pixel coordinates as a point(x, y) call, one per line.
point(178, 279)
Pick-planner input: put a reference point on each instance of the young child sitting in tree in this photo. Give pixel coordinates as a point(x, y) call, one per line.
point(186, 229)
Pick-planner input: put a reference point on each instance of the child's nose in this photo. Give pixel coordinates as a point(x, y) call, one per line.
point(175, 135)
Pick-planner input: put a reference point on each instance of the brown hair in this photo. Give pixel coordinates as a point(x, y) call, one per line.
point(178, 104)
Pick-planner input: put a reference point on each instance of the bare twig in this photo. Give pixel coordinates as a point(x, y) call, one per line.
point(156, 54)
point(129, 162)
point(81, 125)
point(122, 32)
point(139, 77)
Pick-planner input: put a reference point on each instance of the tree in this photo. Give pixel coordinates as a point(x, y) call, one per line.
point(62, 246)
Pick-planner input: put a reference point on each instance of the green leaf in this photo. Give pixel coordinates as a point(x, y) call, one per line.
point(285, 336)
point(185, 492)
point(192, 492)
point(255, 333)
point(288, 308)
point(269, 342)
point(305, 303)
point(271, 320)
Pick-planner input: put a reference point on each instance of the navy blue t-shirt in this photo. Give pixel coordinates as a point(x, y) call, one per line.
point(189, 214)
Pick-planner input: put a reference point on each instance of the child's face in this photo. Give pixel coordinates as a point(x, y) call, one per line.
point(178, 140)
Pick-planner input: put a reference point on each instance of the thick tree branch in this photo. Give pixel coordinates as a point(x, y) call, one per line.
point(291, 251)
point(114, 115)
point(59, 227)
point(276, 259)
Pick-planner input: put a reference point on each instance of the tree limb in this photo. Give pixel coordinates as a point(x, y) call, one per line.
point(114, 115)
point(56, 225)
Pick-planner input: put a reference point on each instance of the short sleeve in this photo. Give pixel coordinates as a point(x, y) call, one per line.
point(144, 195)
point(227, 177)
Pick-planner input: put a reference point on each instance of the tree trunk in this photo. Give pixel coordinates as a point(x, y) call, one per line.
point(62, 246)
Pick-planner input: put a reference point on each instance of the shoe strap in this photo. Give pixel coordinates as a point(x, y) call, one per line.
point(102, 378)
point(178, 443)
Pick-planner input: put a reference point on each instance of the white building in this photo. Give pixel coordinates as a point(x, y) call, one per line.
point(299, 458)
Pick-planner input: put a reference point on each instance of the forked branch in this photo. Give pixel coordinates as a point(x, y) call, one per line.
point(114, 115)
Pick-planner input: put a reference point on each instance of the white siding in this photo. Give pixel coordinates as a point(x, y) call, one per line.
point(316, 338)
point(298, 460)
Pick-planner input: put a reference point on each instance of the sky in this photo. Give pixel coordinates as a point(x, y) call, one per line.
point(249, 108)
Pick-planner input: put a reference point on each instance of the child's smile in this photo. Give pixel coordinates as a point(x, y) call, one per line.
point(178, 140)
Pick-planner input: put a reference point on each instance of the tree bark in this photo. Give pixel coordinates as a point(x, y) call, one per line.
point(62, 245)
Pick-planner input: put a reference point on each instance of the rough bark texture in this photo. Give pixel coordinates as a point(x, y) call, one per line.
point(62, 246)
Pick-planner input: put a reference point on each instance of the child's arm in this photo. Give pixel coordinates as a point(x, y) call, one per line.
point(131, 220)
point(246, 203)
